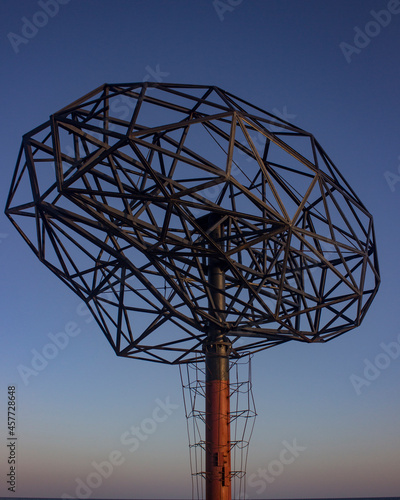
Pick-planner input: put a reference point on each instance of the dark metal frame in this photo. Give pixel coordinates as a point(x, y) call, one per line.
point(115, 194)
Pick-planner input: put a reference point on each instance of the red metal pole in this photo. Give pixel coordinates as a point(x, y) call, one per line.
point(217, 350)
point(218, 456)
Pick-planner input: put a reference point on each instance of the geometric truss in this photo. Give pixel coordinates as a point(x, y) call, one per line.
point(127, 193)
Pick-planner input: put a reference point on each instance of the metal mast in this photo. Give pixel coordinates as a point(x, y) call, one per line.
point(217, 349)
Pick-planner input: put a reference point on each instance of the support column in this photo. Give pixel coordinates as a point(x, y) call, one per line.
point(218, 456)
point(217, 350)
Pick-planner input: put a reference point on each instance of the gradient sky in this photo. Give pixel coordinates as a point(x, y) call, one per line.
point(287, 57)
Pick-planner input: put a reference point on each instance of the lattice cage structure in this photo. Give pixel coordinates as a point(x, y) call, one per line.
point(111, 194)
point(242, 420)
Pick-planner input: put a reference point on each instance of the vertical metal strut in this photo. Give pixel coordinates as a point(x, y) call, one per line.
point(217, 350)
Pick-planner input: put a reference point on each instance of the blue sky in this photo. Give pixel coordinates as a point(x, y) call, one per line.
point(289, 58)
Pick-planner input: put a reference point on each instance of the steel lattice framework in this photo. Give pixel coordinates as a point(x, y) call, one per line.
point(127, 193)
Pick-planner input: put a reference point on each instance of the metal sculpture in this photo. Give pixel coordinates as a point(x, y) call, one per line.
point(193, 223)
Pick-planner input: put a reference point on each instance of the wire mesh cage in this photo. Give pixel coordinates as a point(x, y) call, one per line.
point(242, 420)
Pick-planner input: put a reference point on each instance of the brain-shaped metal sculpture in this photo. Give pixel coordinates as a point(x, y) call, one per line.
point(135, 188)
